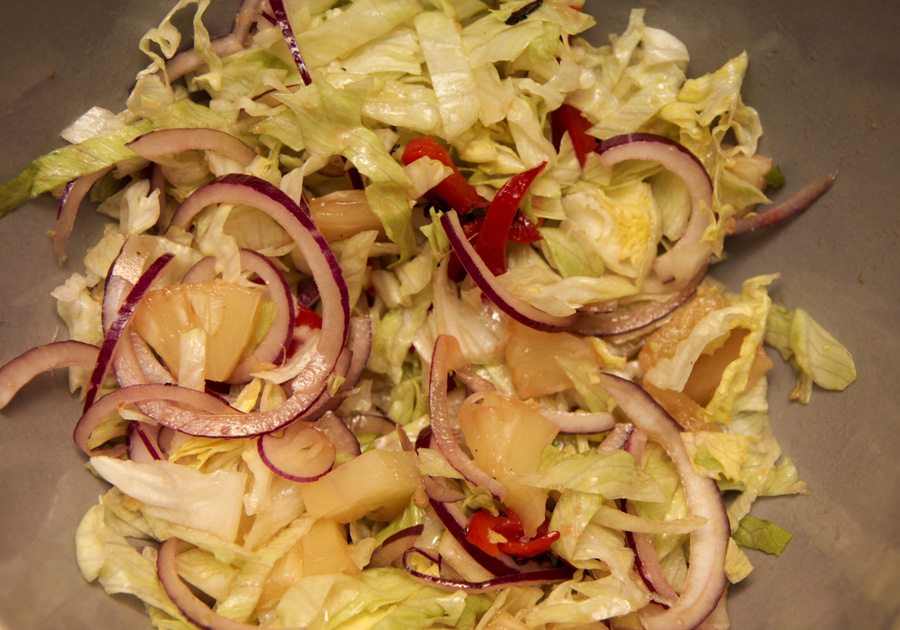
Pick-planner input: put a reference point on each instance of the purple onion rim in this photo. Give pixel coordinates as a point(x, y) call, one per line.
point(631, 138)
point(287, 32)
point(537, 577)
point(120, 321)
point(638, 318)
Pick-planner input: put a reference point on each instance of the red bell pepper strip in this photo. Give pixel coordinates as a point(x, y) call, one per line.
point(307, 317)
point(455, 190)
point(523, 231)
point(568, 118)
point(491, 245)
point(483, 522)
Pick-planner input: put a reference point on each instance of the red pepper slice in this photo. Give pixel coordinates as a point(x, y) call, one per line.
point(307, 317)
point(455, 190)
point(523, 231)
point(568, 118)
point(523, 548)
point(483, 522)
point(491, 245)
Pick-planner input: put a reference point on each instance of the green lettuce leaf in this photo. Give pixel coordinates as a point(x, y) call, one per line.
point(755, 533)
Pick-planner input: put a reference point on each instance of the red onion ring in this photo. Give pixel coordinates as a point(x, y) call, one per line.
point(141, 441)
point(796, 204)
point(394, 546)
point(537, 577)
point(284, 24)
point(189, 604)
point(124, 272)
point(18, 372)
point(705, 581)
point(189, 60)
point(634, 319)
point(301, 453)
point(272, 348)
point(120, 322)
point(72, 196)
point(350, 366)
point(170, 141)
point(437, 490)
point(515, 307)
point(617, 438)
point(448, 356)
point(339, 433)
point(148, 393)
point(579, 422)
point(307, 386)
point(684, 165)
point(372, 422)
point(247, 15)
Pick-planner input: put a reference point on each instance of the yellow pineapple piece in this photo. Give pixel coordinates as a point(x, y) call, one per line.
point(364, 486)
point(226, 312)
point(507, 436)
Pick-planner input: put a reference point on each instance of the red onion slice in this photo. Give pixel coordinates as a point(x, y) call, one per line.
point(189, 60)
point(141, 440)
point(372, 422)
point(647, 564)
point(793, 206)
point(617, 438)
point(147, 393)
point(634, 319)
point(515, 307)
point(307, 386)
point(72, 196)
point(248, 13)
point(339, 433)
point(272, 348)
point(301, 453)
point(447, 356)
point(705, 581)
point(181, 595)
point(437, 490)
point(120, 322)
point(162, 142)
point(18, 372)
point(684, 165)
point(281, 20)
point(394, 546)
point(124, 272)
point(350, 367)
point(579, 422)
point(537, 577)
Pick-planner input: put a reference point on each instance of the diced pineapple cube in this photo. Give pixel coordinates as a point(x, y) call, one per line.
point(531, 357)
point(507, 436)
point(322, 550)
point(363, 486)
point(226, 312)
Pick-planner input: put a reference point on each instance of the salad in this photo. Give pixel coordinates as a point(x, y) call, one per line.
point(417, 328)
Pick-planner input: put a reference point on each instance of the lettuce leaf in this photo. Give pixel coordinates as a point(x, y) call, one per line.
point(755, 533)
point(817, 357)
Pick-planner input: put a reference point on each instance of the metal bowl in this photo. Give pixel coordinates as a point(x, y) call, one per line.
point(825, 80)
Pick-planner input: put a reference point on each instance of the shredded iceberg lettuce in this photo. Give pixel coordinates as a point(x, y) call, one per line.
point(494, 86)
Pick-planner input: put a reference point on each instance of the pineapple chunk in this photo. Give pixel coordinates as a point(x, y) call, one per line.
point(531, 357)
point(227, 313)
point(507, 436)
point(364, 486)
point(323, 550)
